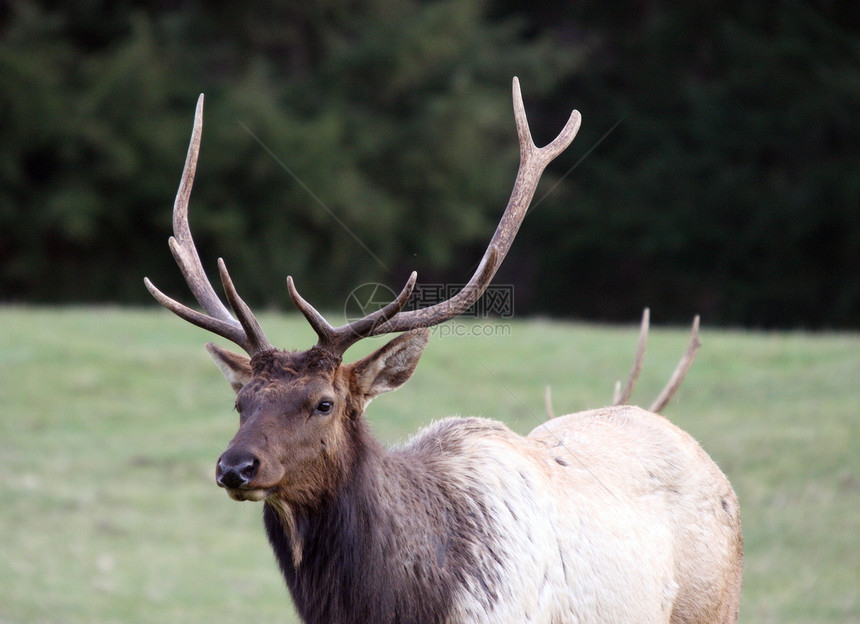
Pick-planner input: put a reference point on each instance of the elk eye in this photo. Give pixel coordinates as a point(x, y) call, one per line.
point(324, 407)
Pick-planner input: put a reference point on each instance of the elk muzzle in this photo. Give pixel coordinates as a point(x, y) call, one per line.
point(236, 471)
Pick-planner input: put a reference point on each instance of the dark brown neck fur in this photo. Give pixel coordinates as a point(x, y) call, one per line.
point(391, 545)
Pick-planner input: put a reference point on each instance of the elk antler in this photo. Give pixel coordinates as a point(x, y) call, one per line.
point(675, 380)
point(533, 160)
point(245, 332)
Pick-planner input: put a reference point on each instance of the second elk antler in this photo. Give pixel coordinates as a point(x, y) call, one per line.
point(622, 396)
point(533, 160)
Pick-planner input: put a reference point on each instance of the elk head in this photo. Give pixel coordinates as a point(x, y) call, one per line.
point(301, 411)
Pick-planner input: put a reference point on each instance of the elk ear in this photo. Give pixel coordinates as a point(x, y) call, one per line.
point(389, 367)
point(236, 368)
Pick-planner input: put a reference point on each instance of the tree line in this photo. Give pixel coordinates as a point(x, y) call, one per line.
point(716, 172)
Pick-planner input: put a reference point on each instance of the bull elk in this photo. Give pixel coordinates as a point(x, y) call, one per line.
point(610, 515)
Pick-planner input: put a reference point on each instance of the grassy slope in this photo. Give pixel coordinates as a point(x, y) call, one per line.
point(110, 423)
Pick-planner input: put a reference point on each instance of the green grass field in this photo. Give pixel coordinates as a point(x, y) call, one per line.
point(111, 422)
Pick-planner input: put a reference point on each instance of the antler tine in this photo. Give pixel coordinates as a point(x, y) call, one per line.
point(547, 403)
point(255, 338)
point(680, 371)
point(616, 393)
point(338, 339)
point(219, 320)
point(231, 332)
point(321, 326)
point(622, 396)
point(355, 331)
point(533, 161)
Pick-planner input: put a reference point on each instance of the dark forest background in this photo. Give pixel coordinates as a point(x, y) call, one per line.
point(717, 170)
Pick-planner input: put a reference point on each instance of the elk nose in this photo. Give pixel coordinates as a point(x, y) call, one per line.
point(236, 469)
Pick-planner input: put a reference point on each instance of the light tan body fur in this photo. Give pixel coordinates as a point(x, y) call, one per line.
point(612, 515)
